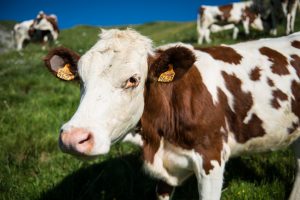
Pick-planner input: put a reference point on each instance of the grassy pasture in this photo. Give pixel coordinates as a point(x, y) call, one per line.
point(33, 105)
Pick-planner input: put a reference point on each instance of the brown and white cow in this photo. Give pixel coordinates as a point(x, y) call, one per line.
point(289, 8)
point(226, 17)
point(273, 9)
point(196, 107)
point(42, 29)
point(45, 22)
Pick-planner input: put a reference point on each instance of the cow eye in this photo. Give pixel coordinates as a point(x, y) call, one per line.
point(132, 82)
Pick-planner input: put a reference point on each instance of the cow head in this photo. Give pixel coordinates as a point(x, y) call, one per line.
point(112, 75)
point(45, 22)
point(254, 17)
point(257, 23)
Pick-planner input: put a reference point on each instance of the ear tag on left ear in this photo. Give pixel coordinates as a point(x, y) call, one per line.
point(65, 73)
point(167, 76)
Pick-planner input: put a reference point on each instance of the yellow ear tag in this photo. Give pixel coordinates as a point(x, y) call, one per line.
point(167, 76)
point(65, 73)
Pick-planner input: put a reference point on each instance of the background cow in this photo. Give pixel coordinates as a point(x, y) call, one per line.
point(21, 33)
point(45, 22)
point(226, 17)
point(42, 29)
point(196, 107)
point(275, 11)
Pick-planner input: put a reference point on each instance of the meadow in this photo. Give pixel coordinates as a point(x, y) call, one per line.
point(34, 104)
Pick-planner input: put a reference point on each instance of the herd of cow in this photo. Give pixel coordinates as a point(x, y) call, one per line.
point(261, 15)
point(190, 109)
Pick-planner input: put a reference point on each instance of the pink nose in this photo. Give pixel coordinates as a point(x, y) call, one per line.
point(76, 141)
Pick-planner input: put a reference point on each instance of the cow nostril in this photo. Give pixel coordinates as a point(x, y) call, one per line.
point(76, 141)
point(89, 137)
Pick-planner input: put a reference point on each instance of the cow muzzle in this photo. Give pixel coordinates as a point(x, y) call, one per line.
point(77, 141)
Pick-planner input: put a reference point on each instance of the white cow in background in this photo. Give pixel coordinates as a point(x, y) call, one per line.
point(45, 22)
point(21, 33)
point(276, 10)
point(42, 29)
point(226, 17)
point(289, 8)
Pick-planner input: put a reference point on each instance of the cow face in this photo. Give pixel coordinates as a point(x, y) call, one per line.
point(42, 24)
point(257, 23)
point(112, 75)
point(46, 23)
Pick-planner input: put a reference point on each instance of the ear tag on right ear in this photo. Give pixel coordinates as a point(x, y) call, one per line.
point(65, 73)
point(167, 76)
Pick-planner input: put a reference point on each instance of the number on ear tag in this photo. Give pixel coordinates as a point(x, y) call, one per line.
point(65, 73)
point(167, 76)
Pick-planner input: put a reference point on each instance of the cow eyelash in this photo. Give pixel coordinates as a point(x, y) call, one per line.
point(132, 82)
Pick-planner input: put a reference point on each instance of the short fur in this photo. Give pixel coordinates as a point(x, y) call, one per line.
point(69, 57)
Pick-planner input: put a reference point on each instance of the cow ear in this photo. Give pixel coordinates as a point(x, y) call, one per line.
point(171, 64)
point(62, 63)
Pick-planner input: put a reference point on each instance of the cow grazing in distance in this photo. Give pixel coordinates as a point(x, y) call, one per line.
point(226, 17)
point(197, 108)
point(289, 8)
point(21, 33)
point(42, 29)
point(45, 22)
point(274, 10)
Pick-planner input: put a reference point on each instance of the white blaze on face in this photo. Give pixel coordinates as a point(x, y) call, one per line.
point(258, 23)
point(45, 25)
point(111, 101)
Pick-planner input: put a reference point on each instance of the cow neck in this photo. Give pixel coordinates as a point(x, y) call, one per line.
point(180, 112)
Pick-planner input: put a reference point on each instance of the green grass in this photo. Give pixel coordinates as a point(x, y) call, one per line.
point(33, 106)
point(7, 24)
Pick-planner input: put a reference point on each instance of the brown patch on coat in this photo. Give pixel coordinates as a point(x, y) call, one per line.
point(242, 101)
point(270, 82)
point(242, 104)
point(226, 9)
point(67, 55)
point(296, 98)
point(53, 22)
point(250, 14)
point(296, 44)
point(296, 63)
point(252, 129)
point(255, 74)
point(181, 113)
point(278, 95)
point(223, 53)
point(243, 132)
point(279, 61)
